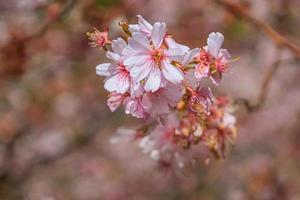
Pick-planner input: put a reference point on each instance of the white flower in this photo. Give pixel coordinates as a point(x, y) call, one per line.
point(117, 75)
point(212, 60)
point(150, 59)
point(143, 27)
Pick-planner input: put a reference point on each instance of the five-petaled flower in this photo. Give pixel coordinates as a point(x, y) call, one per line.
point(159, 80)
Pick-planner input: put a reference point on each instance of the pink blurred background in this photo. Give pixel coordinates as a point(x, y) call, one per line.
point(55, 126)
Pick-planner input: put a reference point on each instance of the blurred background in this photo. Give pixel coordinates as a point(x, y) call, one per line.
point(55, 126)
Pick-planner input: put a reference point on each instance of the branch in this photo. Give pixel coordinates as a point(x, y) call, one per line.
point(239, 10)
point(263, 91)
point(64, 12)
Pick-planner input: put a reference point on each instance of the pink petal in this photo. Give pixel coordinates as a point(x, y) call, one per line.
point(174, 45)
point(225, 54)
point(144, 23)
point(117, 83)
point(173, 93)
point(216, 78)
point(154, 79)
point(114, 101)
point(118, 45)
point(158, 33)
point(105, 69)
point(189, 56)
point(135, 60)
point(214, 43)
point(113, 56)
point(139, 42)
point(201, 71)
point(138, 73)
point(171, 73)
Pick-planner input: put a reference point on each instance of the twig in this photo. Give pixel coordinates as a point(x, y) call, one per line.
point(9, 147)
point(64, 12)
point(239, 10)
point(263, 91)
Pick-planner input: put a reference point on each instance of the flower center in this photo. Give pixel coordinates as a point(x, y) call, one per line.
point(122, 69)
point(204, 58)
point(157, 55)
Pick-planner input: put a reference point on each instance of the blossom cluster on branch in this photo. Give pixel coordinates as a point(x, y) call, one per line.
point(160, 82)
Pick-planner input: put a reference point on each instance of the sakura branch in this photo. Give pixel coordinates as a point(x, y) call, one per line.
point(160, 82)
point(239, 10)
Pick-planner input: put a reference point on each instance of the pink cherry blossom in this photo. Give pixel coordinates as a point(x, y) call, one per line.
point(143, 27)
point(98, 39)
point(117, 75)
point(159, 102)
point(150, 60)
point(134, 107)
point(158, 80)
point(203, 97)
point(160, 145)
point(212, 60)
point(115, 100)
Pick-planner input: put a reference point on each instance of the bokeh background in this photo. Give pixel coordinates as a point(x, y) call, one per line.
point(55, 126)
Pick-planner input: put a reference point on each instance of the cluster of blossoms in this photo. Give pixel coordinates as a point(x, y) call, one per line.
point(160, 81)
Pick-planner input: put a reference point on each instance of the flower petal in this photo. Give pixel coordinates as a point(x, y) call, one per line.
point(173, 44)
point(189, 56)
point(158, 33)
point(214, 43)
point(113, 56)
point(114, 101)
point(144, 23)
point(138, 73)
point(117, 83)
point(216, 78)
point(171, 73)
point(135, 60)
point(224, 54)
point(118, 45)
point(105, 69)
point(154, 79)
point(139, 42)
point(201, 71)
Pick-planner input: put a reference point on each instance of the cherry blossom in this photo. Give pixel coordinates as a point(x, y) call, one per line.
point(98, 39)
point(159, 81)
point(117, 75)
point(212, 61)
point(134, 107)
point(159, 102)
point(143, 27)
point(150, 60)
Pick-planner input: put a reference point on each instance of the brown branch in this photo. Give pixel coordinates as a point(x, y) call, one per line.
point(263, 91)
point(43, 29)
point(239, 10)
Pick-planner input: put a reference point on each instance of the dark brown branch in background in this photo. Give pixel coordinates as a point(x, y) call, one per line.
point(6, 178)
point(239, 10)
point(264, 87)
point(42, 30)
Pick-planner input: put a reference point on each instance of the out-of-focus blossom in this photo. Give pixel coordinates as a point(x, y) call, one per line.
point(200, 100)
point(115, 100)
point(159, 102)
point(98, 39)
point(134, 107)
